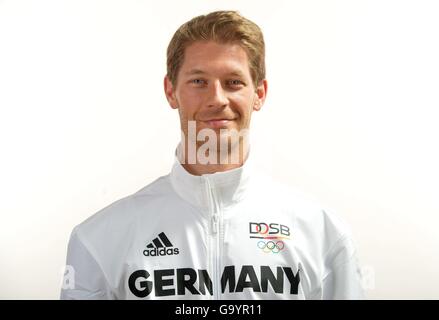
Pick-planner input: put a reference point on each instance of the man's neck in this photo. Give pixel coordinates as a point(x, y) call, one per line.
point(222, 165)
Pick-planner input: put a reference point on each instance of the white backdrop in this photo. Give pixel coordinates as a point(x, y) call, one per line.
point(351, 117)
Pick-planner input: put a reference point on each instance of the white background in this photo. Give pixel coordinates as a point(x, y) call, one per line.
point(351, 118)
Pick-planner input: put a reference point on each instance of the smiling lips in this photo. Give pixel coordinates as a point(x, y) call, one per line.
point(218, 123)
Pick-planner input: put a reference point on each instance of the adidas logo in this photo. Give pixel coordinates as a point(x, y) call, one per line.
point(160, 246)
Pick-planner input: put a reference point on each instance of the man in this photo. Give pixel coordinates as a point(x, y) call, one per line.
point(214, 228)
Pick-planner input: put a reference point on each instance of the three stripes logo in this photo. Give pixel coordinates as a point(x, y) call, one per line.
point(160, 246)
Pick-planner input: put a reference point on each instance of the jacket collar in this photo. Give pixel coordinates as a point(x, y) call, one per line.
point(228, 187)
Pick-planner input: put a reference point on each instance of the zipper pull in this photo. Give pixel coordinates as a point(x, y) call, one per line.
point(215, 223)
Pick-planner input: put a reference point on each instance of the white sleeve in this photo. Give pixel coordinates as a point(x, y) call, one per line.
point(84, 278)
point(343, 277)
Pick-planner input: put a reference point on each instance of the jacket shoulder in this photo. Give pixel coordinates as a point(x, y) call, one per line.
point(315, 219)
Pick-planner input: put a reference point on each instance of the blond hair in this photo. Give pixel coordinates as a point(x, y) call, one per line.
point(221, 27)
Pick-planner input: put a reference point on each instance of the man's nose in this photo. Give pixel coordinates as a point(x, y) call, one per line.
point(216, 96)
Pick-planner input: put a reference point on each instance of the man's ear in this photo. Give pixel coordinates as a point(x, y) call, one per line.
point(261, 94)
point(169, 92)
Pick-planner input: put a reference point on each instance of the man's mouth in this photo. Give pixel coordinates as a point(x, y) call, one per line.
point(218, 123)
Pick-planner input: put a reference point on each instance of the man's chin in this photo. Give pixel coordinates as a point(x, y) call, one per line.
point(201, 133)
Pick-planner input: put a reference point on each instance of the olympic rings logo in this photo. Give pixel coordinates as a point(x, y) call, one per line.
point(271, 246)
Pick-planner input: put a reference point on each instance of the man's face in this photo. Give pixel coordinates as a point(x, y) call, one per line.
point(215, 88)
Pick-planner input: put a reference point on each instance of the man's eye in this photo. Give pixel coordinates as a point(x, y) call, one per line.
point(235, 82)
point(198, 81)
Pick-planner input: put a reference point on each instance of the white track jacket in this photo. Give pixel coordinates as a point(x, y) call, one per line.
point(236, 234)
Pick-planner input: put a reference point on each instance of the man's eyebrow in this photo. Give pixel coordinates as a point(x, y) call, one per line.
point(195, 71)
point(237, 73)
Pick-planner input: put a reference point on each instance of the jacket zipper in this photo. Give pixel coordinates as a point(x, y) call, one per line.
point(215, 239)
